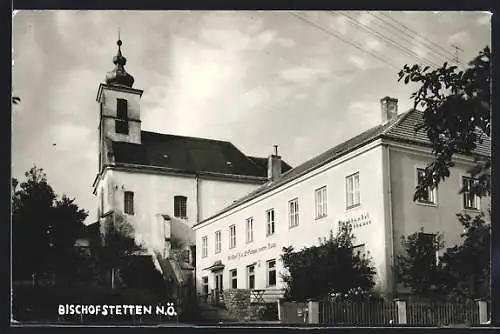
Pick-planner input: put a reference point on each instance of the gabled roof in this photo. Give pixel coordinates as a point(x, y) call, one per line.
point(401, 128)
point(188, 154)
point(405, 130)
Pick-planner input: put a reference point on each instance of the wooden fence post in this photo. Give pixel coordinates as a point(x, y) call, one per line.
point(483, 311)
point(313, 312)
point(401, 311)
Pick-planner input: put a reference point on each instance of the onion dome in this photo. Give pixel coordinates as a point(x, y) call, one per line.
point(118, 76)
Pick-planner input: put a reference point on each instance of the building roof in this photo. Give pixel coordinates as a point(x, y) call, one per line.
point(190, 154)
point(400, 128)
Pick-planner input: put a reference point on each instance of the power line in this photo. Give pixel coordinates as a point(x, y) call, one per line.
point(346, 41)
point(408, 37)
point(435, 48)
point(387, 40)
point(446, 52)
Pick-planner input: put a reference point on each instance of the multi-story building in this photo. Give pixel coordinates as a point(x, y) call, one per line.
point(367, 182)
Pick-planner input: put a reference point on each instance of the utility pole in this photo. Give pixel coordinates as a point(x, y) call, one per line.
point(457, 50)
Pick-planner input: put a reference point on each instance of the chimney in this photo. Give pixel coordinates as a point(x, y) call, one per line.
point(274, 165)
point(389, 106)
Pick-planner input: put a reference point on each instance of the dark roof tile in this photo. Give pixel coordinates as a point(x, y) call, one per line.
point(188, 154)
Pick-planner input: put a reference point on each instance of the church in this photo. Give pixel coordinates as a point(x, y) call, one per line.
point(162, 184)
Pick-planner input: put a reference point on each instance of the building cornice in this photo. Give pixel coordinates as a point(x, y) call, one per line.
point(179, 172)
point(413, 146)
point(117, 88)
point(128, 119)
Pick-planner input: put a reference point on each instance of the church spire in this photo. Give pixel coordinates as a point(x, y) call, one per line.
point(118, 76)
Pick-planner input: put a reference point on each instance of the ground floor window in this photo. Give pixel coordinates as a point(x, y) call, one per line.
point(271, 273)
point(234, 279)
point(251, 276)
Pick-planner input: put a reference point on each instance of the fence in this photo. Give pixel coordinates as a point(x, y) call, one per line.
point(442, 314)
point(384, 313)
point(357, 313)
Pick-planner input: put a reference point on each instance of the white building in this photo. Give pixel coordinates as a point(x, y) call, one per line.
point(162, 184)
point(367, 181)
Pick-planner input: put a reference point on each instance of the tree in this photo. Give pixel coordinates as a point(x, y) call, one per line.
point(43, 227)
point(463, 271)
point(456, 106)
point(473, 279)
point(417, 266)
point(314, 272)
point(119, 245)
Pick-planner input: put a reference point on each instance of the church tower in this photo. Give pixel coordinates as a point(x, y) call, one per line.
point(120, 112)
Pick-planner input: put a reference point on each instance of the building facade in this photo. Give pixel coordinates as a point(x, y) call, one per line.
point(367, 182)
point(162, 184)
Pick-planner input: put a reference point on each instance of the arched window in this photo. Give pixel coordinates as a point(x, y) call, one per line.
point(180, 206)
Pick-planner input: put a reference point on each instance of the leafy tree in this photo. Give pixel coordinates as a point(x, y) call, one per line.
point(463, 271)
point(468, 265)
point(456, 106)
point(118, 244)
point(417, 266)
point(43, 228)
point(314, 272)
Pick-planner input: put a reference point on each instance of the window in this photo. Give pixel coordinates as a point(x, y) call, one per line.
point(218, 241)
point(352, 191)
point(270, 222)
point(180, 206)
point(121, 109)
point(429, 197)
point(293, 210)
point(271, 272)
point(204, 246)
point(251, 277)
point(234, 279)
point(470, 201)
point(249, 229)
point(232, 236)
point(320, 197)
point(129, 202)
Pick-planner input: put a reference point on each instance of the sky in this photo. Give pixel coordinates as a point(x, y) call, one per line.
point(304, 81)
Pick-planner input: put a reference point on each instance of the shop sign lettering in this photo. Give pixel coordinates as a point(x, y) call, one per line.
point(251, 251)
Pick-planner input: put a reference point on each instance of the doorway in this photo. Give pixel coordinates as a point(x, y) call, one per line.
point(219, 288)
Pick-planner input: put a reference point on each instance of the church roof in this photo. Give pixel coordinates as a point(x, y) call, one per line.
point(400, 128)
point(190, 154)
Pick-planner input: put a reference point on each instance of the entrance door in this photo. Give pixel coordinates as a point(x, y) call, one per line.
point(218, 281)
point(218, 287)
